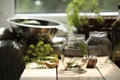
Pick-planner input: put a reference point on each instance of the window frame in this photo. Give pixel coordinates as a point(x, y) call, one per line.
point(63, 17)
point(59, 16)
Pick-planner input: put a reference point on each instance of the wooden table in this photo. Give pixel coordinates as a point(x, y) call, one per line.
point(39, 74)
point(104, 70)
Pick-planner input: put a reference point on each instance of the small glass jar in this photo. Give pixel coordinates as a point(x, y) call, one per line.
point(75, 45)
point(74, 52)
point(99, 44)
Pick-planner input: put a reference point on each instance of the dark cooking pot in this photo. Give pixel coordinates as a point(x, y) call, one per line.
point(33, 29)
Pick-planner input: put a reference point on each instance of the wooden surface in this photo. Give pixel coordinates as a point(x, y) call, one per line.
point(109, 70)
point(39, 74)
point(105, 70)
point(91, 74)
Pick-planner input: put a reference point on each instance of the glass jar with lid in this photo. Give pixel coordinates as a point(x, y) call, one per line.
point(99, 44)
point(75, 45)
point(74, 52)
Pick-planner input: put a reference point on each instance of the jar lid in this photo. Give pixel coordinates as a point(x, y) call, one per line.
point(98, 34)
point(76, 36)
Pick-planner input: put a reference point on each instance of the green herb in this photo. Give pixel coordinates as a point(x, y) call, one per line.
point(69, 64)
point(39, 51)
point(83, 48)
point(76, 6)
point(31, 22)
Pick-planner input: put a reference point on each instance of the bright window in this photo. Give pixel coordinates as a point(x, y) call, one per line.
point(57, 6)
point(41, 6)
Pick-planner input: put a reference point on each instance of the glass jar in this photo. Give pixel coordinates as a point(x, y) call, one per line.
point(74, 52)
point(99, 44)
point(75, 45)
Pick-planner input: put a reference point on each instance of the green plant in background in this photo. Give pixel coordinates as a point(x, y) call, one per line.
point(39, 51)
point(76, 6)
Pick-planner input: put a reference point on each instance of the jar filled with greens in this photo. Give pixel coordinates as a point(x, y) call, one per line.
point(74, 51)
point(75, 45)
